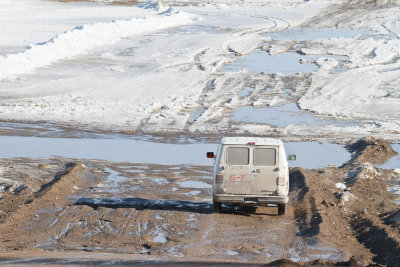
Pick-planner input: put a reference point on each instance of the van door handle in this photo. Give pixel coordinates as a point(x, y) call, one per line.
point(276, 170)
point(256, 171)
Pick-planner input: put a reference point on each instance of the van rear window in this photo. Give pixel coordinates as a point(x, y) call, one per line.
point(264, 157)
point(238, 156)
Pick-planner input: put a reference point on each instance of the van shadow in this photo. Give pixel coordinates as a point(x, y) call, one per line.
point(171, 205)
point(147, 204)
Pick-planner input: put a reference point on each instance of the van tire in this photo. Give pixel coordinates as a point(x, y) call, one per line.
point(281, 209)
point(217, 207)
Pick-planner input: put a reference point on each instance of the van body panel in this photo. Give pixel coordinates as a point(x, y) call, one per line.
point(237, 175)
point(264, 174)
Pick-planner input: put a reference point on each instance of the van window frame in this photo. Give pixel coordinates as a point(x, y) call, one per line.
point(248, 156)
point(264, 147)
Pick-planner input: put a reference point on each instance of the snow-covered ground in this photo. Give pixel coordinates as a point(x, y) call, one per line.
point(158, 69)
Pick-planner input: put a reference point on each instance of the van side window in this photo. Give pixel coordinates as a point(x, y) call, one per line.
point(238, 156)
point(264, 157)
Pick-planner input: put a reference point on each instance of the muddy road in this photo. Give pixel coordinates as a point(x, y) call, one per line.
point(162, 211)
point(56, 211)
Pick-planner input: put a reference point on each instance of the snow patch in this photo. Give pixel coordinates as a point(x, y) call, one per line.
point(232, 253)
point(82, 39)
point(340, 186)
point(160, 236)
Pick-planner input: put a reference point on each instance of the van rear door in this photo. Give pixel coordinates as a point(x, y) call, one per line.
point(265, 171)
point(237, 174)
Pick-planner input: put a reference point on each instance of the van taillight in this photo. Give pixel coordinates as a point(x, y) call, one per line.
point(219, 178)
point(281, 180)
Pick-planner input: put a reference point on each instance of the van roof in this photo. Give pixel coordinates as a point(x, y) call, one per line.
point(246, 140)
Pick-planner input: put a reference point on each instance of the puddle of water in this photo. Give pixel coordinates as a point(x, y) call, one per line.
point(393, 162)
point(313, 155)
point(194, 184)
point(116, 150)
point(192, 193)
point(310, 34)
point(260, 61)
point(309, 154)
point(246, 91)
point(283, 116)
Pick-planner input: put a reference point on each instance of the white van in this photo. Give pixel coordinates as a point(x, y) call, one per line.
point(250, 171)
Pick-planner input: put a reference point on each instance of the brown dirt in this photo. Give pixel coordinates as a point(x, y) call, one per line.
point(372, 150)
point(127, 214)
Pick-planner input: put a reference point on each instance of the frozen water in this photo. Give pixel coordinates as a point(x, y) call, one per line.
point(393, 162)
point(246, 91)
point(310, 34)
point(260, 61)
point(193, 184)
point(283, 116)
point(195, 114)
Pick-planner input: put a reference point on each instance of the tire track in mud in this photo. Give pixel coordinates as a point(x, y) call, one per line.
point(239, 234)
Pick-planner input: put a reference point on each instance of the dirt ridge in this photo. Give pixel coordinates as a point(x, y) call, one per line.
point(50, 195)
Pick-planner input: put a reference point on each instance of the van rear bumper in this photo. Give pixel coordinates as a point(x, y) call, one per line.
point(251, 199)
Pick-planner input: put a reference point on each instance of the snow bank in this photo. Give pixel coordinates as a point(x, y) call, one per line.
point(84, 38)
